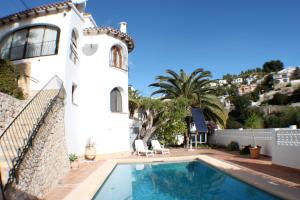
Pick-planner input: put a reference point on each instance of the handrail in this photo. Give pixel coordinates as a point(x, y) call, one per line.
point(55, 76)
point(32, 78)
point(16, 139)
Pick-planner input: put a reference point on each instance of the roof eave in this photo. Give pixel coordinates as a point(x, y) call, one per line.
point(37, 11)
point(114, 33)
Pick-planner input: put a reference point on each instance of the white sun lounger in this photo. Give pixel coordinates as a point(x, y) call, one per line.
point(158, 149)
point(141, 150)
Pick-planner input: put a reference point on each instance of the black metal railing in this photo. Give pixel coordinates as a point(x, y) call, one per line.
point(30, 50)
point(17, 138)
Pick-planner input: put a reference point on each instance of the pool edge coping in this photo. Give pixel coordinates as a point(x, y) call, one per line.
point(89, 187)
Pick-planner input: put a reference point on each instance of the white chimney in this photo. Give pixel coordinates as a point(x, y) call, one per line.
point(123, 27)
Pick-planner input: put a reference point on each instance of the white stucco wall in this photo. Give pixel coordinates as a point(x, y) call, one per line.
point(109, 130)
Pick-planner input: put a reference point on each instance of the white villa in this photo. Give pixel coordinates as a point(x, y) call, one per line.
point(62, 39)
point(283, 76)
point(222, 82)
point(237, 81)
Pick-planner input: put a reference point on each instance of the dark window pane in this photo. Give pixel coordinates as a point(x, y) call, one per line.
point(50, 42)
point(35, 41)
point(18, 44)
point(115, 101)
point(5, 47)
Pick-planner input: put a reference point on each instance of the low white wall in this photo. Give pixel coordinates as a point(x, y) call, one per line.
point(261, 137)
point(286, 148)
point(282, 144)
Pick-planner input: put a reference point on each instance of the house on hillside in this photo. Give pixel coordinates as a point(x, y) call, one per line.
point(283, 76)
point(246, 89)
point(237, 81)
point(222, 82)
point(213, 84)
point(251, 79)
point(62, 39)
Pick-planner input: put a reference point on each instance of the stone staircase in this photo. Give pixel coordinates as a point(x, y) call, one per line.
point(21, 131)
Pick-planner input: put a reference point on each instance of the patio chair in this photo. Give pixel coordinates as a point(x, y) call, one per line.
point(158, 149)
point(141, 150)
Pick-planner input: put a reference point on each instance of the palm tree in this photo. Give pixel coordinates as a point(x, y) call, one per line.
point(134, 100)
point(196, 89)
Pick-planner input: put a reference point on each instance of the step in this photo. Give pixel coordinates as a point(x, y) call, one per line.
point(21, 128)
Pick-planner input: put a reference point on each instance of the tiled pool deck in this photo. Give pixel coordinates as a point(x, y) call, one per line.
point(82, 183)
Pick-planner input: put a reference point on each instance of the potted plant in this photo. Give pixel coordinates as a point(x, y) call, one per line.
point(90, 150)
point(254, 151)
point(74, 161)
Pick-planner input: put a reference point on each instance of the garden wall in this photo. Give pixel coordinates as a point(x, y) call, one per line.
point(286, 148)
point(282, 144)
point(261, 137)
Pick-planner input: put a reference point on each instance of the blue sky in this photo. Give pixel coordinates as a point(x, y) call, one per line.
point(221, 36)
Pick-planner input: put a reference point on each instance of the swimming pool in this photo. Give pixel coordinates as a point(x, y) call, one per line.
point(193, 180)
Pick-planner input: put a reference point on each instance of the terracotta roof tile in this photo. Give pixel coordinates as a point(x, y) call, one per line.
point(35, 11)
point(113, 32)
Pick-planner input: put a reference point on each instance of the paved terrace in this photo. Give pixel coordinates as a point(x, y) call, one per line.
point(263, 168)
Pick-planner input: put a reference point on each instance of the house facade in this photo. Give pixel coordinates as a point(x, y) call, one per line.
point(237, 81)
point(222, 82)
point(62, 39)
point(246, 89)
point(283, 76)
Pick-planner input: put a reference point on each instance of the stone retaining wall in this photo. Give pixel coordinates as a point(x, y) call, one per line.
point(47, 160)
point(9, 108)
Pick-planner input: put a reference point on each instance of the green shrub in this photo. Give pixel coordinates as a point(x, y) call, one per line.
point(254, 121)
point(9, 80)
point(289, 116)
point(254, 96)
point(73, 157)
point(233, 124)
point(272, 121)
point(280, 99)
point(167, 133)
point(233, 146)
point(295, 96)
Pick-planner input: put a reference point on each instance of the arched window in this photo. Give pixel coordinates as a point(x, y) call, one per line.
point(116, 57)
point(73, 48)
point(74, 39)
point(30, 42)
point(115, 100)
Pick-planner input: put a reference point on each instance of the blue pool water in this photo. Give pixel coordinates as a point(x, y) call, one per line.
point(175, 181)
